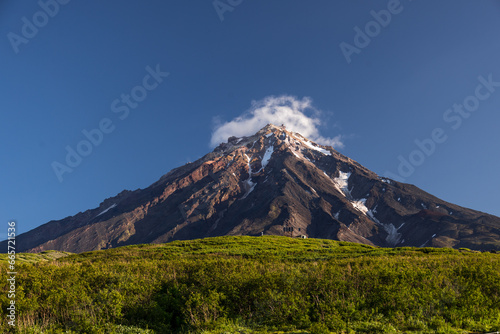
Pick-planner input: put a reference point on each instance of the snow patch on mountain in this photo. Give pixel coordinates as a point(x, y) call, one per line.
point(250, 185)
point(267, 156)
point(342, 182)
point(370, 214)
point(319, 149)
point(360, 205)
point(111, 207)
point(393, 237)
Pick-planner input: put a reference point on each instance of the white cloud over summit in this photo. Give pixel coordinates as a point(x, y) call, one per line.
point(297, 115)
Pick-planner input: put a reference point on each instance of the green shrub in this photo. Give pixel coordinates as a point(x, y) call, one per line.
point(257, 284)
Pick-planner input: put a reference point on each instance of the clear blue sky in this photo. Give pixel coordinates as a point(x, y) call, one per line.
point(65, 77)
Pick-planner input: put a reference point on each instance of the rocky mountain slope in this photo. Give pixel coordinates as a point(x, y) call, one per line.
point(274, 182)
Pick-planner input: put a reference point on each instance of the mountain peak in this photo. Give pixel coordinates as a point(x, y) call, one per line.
point(270, 135)
point(272, 127)
point(266, 130)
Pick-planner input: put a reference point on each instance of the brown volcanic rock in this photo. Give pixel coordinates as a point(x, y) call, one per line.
point(271, 182)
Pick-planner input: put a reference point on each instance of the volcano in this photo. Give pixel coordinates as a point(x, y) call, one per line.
point(274, 182)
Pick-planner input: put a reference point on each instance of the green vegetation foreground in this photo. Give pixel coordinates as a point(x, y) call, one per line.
point(256, 284)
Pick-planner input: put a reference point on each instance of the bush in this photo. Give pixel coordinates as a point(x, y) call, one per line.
point(244, 284)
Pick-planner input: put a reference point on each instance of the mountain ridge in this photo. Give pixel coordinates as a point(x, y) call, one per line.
point(274, 182)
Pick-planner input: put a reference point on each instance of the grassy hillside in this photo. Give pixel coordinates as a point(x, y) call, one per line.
point(256, 285)
point(33, 258)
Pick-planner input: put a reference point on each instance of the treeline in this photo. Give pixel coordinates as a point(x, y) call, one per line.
point(261, 284)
